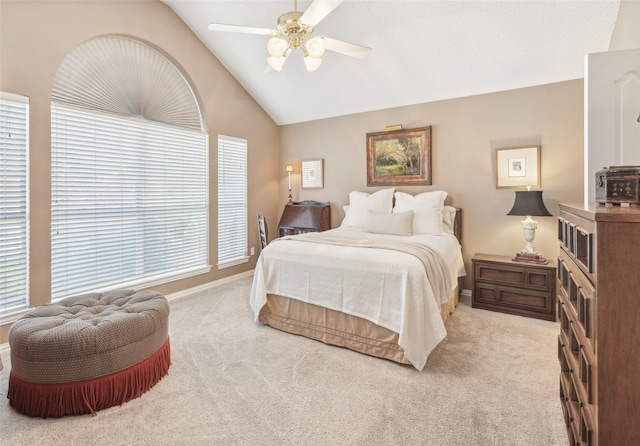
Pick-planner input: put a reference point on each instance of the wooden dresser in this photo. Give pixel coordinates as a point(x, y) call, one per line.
point(599, 312)
point(305, 216)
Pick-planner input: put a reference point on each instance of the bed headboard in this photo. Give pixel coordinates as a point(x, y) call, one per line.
point(457, 225)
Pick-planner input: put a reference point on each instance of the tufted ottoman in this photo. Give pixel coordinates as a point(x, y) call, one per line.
point(88, 352)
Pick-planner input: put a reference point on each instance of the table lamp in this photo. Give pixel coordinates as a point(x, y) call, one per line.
point(529, 203)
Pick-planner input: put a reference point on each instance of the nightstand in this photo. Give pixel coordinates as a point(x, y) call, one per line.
point(520, 288)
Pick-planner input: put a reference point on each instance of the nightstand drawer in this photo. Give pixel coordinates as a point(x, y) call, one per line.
point(521, 301)
point(541, 279)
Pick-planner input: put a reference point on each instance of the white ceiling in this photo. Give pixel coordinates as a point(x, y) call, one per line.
point(422, 50)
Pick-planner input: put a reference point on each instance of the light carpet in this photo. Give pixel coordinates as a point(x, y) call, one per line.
point(492, 381)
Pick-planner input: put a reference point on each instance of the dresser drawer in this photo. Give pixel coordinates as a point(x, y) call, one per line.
point(578, 291)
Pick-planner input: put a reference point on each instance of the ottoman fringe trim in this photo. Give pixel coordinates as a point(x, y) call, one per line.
point(91, 395)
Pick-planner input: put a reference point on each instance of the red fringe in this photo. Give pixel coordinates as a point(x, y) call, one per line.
point(91, 395)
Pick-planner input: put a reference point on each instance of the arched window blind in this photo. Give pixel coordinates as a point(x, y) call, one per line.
point(14, 202)
point(232, 201)
point(129, 170)
point(127, 77)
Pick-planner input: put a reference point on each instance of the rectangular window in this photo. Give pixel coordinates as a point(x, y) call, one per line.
point(129, 202)
point(232, 201)
point(14, 202)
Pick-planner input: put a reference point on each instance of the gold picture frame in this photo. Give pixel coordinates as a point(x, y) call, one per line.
point(399, 157)
point(518, 167)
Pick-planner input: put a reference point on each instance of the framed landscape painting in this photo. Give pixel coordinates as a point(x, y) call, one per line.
point(399, 157)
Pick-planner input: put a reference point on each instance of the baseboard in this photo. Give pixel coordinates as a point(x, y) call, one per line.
point(207, 286)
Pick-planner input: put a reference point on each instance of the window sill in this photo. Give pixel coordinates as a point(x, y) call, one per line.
point(10, 316)
point(233, 262)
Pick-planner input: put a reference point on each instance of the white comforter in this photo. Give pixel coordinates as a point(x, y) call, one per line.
point(386, 287)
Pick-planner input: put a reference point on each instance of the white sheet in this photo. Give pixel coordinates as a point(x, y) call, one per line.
point(386, 287)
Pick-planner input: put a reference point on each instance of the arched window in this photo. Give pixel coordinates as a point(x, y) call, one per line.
point(129, 170)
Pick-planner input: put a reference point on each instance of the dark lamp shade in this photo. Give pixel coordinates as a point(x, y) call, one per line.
point(529, 202)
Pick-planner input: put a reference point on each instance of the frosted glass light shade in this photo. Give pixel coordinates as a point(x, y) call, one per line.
point(276, 62)
point(277, 46)
point(312, 63)
point(315, 47)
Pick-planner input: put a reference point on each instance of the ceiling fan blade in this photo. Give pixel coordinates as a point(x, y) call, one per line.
point(349, 49)
point(241, 29)
point(318, 10)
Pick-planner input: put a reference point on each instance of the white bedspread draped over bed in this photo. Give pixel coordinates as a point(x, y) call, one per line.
point(382, 285)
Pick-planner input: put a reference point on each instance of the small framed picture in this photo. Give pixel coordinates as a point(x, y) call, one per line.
point(518, 167)
point(312, 174)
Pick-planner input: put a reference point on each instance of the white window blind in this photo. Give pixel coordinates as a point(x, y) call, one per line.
point(14, 201)
point(129, 201)
point(232, 201)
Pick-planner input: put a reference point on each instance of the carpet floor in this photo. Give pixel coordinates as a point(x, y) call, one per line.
point(492, 381)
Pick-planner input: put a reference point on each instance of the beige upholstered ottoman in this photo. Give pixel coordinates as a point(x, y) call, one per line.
point(88, 352)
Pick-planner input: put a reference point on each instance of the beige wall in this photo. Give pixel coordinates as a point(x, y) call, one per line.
point(626, 34)
point(465, 134)
point(34, 39)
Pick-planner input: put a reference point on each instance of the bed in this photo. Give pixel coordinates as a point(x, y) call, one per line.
point(383, 283)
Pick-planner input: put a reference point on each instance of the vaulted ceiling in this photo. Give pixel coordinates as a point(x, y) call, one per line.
point(422, 50)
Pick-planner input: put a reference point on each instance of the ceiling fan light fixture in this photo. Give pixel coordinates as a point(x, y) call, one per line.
point(315, 47)
point(312, 63)
point(276, 62)
point(277, 46)
point(294, 32)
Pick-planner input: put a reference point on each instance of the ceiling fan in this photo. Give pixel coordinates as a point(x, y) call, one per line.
point(294, 31)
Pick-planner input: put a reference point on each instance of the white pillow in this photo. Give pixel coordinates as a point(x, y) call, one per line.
point(361, 202)
point(427, 210)
point(345, 208)
point(383, 223)
point(448, 219)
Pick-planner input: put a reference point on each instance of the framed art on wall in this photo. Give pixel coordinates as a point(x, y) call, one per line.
point(312, 174)
point(518, 167)
point(399, 157)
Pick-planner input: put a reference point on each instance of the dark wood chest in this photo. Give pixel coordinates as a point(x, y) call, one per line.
point(617, 185)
